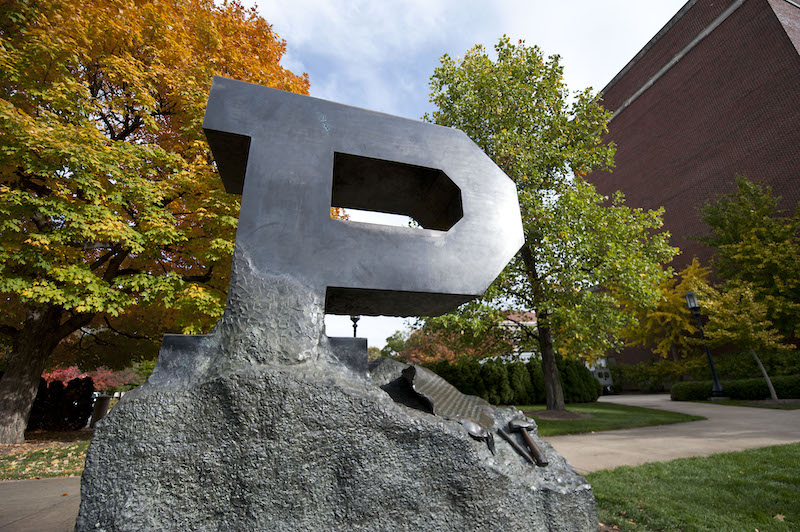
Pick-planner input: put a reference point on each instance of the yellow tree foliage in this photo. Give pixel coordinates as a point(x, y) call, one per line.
point(668, 328)
point(737, 318)
point(109, 197)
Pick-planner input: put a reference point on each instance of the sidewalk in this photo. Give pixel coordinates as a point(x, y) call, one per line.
point(45, 505)
point(727, 428)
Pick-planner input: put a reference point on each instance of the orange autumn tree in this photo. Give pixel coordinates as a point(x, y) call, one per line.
point(110, 203)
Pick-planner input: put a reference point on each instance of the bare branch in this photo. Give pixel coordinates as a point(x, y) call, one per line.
point(199, 278)
point(126, 335)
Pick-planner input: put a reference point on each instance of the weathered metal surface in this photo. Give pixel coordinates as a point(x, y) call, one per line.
point(516, 446)
point(524, 427)
point(445, 399)
point(293, 157)
point(479, 432)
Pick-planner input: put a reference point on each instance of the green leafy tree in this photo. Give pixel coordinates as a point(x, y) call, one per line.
point(109, 200)
point(582, 255)
point(737, 318)
point(395, 344)
point(373, 353)
point(757, 244)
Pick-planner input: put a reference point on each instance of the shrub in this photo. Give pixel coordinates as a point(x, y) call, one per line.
point(59, 407)
point(514, 382)
point(660, 374)
point(787, 387)
point(580, 386)
point(496, 379)
point(521, 384)
point(537, 379)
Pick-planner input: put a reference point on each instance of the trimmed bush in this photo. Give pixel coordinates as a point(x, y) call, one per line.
point(787, 387)
point(580, 386)
point(514, 382)
point(658, 375)
point(62, 408)
point(537, 379)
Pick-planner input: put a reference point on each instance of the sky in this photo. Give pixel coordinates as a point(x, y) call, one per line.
point(380, 54)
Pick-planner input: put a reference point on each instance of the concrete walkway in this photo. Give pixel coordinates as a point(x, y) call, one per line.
point(51, 505)
point(45, 505)
point(727, 428)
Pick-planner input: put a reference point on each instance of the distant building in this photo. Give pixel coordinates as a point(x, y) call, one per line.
point(715, 93)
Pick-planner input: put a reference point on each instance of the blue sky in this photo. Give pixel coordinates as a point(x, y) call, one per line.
point(379, 54)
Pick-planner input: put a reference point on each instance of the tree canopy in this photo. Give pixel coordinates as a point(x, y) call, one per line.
point(757, 248)
point(583, 253)
point(109, 198)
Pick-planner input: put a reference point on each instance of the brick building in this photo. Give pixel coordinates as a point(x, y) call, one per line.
point(715, 93)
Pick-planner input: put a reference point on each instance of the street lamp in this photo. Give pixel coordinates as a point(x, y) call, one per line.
point(694, 306)
point(355, 319)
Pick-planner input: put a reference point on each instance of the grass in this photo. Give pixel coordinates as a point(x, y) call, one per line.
point(757, 489)
point(45, 454)
point(605, 416)
point(754, 404)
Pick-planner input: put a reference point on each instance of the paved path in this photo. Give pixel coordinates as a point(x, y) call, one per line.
point(51, 505)
point(727, 428)
point(46, 505)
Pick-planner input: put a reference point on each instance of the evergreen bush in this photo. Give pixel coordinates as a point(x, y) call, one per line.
point(787, 387)
point(513, 382)
point(59, 407)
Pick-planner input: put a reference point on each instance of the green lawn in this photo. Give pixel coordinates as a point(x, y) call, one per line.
point(758, 489)
point(45, 454)
point(606, 416)
point(57, 460)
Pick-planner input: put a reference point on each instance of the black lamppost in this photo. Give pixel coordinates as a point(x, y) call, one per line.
point(694, 306)
point(355, 319)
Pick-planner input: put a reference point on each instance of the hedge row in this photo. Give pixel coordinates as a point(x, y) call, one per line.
point(744, 389)
point(59, 407)
point(658, 375)
point(513, 382)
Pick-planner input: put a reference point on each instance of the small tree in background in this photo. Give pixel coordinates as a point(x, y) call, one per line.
point(583, 253)
point(668, 329)
point(737, 319)
point(758, 248)
point(104, 379)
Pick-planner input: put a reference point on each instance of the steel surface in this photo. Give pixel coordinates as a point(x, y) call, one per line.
point(445, 399)
point(293, 157)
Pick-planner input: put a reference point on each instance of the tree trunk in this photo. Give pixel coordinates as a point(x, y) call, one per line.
point(31, 349)
point(552, 384)
point(772, 393)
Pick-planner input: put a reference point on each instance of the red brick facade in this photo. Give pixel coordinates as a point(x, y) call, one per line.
point(729, 103)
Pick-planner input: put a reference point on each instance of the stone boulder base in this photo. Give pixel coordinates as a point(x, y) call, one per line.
point(306, 447)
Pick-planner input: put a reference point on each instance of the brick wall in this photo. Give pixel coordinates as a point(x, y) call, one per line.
point(731, 105)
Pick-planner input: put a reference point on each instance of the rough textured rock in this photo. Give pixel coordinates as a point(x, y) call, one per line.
point(257, 427)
